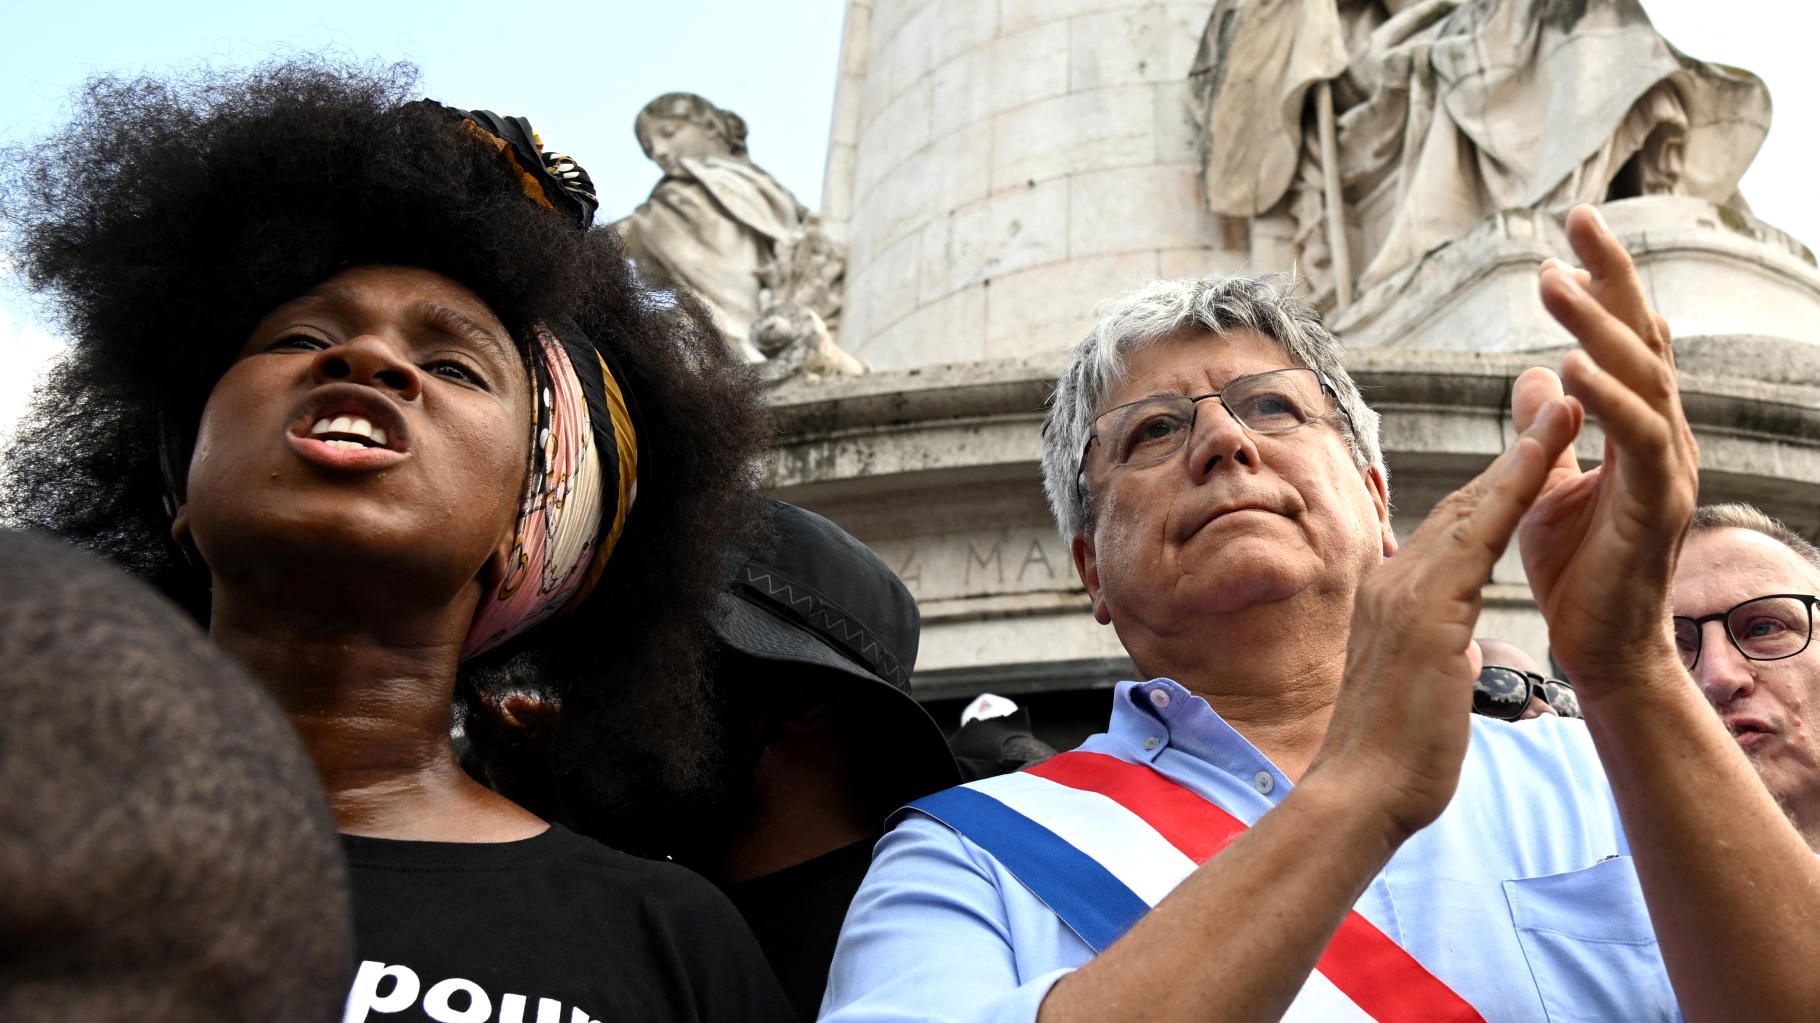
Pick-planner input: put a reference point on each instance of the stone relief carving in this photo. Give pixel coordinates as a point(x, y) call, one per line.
point(1399, 125)
point(719, 225)
point(800, 293)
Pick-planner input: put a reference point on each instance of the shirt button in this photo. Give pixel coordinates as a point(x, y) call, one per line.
point(1264, 782)
point(1152, 742)
point(1159, 697)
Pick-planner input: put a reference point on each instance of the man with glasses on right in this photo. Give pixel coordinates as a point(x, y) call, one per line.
point(1744, 600)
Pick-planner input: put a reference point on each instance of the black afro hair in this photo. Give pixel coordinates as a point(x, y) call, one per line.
point(172, 214)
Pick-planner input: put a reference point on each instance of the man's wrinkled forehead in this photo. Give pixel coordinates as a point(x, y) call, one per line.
point(1724, 566)
point(1193, 360)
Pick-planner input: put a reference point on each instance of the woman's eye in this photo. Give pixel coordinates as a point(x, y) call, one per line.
point(297, 343)
point(453, 371)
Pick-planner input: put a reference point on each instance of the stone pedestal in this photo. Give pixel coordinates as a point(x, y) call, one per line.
point(1712, 271)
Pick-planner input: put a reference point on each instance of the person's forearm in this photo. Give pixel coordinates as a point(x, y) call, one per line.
point(1237, 939)
point(1733, 891)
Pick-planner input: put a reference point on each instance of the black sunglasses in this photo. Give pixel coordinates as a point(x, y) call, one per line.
point(1504, 693)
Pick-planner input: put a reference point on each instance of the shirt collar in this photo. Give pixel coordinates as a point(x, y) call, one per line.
point(1151, 717)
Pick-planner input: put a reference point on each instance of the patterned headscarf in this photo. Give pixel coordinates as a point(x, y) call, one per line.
point(583, 473)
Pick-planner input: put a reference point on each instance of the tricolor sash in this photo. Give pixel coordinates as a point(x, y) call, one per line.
point(1100, 841)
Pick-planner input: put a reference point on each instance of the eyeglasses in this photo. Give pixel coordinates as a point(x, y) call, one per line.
point(1152, 429)
point(1762, 628)
point(1504, 693)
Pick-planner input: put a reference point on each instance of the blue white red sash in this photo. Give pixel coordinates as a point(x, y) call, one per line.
point(1100, 841)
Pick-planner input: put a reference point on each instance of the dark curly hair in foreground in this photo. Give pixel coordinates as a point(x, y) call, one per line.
point(171, 215)
point(164, 842)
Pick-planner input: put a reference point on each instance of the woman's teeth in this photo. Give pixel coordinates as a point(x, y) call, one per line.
point(348, 432)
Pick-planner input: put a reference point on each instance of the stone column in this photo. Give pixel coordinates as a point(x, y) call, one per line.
point(1000, 167)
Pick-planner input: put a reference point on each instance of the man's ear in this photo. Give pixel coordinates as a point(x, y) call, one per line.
point(1379, 488)
point(1086, 565)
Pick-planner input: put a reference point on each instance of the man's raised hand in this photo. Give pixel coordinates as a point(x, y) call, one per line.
point(1403, 714)
point(1599, 546)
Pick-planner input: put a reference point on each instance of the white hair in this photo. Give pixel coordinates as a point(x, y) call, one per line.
point(1265, 304)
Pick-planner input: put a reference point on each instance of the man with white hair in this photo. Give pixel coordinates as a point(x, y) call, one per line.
point(1381, 852)
point(1745, 591)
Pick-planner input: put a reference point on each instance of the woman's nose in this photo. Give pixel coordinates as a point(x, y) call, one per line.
point(369, 361)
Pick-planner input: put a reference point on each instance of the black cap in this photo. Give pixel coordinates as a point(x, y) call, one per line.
point(818, 597)
point(984, 747)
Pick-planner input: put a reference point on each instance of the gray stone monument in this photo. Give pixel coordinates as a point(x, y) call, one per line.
point(997, 169)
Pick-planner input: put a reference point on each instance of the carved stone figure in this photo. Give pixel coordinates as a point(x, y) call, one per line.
point(717, 224)
point(795, 342)
point(1399, 125)
point(800, 293)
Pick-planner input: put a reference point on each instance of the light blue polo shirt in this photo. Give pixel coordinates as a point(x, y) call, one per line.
point(1521, 896)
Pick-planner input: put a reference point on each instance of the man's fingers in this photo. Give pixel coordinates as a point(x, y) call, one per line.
point(1534, 388)
point(1579, 275)
point(1459, 542)
point(1599, 250)
point(1624, 372)
point(1631, 425)
point(1612, 344)
point(1614, 281)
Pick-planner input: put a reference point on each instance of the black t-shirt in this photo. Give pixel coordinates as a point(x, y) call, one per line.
point(796, 914)
point(551, 929)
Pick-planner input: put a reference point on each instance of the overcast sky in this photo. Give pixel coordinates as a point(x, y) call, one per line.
point(583, 71)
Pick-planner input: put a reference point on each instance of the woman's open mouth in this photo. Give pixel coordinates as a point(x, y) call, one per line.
point(346, 427)
point(348, 432)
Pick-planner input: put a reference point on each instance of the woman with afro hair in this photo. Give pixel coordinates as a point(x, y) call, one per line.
point(352, 382)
